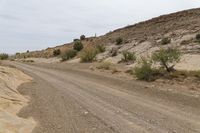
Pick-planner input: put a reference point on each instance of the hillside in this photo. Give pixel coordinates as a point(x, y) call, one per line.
point(145, 37)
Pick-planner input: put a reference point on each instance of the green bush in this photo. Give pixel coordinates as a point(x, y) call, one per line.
point(56, 52)
point(88, 55)
point(145, 71)
point(4, 56)
point(69, 54)
point(119, 41)
point(100, 48)
point(17, 54)
point(75, 40)
point(198, 37)
point(165, 41)
point(78, 46)
point(128, 56)
point(167, 58)
point(82, 37)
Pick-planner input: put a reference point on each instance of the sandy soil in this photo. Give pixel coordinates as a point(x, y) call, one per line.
point(190, 62)
point(42, 60)
point(11, 101)
point(68, 100)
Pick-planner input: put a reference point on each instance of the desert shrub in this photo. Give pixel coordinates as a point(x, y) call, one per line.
point(145, 71)
point(185, 42)
point(78, 46)
point(128, 56)
point(113, 52)
point(56, 52)
point(69, 54)
point(28, 61)
point(167, 58)
point(165, 41)
point(17, 54)
point(184, 74)
point(198, 37)
point(100, 48)
point(75, 40)
point(104, 65)
point(4, 56)
point(88, 55)
point(82, 37)
point(119, 41)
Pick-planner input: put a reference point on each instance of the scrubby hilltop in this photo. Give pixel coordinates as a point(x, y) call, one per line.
point(145, 37)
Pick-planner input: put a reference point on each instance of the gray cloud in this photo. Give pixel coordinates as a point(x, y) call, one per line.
point(37, 24)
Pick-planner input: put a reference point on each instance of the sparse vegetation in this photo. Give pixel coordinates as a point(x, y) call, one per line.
point(75, 40)
point(113, 52)
point(167, 58)
point(185, 42)
point(88, 55)
point(145, 71)
point(100, 48)
point(104, 65)
point(119, 41)
point(82, 37)
point(69, 54)
point(198, 38)
point(78, 46)
point(56, 52)
point(128, 56)
point(17, 54)
point(165, 41)
point(186, 74)
point(28, 61)
point(4, 56)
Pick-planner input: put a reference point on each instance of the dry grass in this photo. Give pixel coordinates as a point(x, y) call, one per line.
point(104, 65)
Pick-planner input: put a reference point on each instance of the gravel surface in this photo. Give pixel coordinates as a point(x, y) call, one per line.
point(75, 101)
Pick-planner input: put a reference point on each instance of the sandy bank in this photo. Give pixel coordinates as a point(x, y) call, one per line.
point(11, 102)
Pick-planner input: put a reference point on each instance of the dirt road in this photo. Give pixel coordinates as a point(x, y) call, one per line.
point(74, 101)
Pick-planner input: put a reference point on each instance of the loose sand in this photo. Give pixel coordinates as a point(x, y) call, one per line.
point(11, 102)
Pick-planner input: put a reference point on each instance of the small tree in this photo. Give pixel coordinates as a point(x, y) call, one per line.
point(167, 58)
point(78, 46)
point(56, 52)
point(128, 56)
point(165, 41)
point(119, 41)
point(82, 37)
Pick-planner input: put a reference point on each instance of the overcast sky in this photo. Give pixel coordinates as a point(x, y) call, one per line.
point(38, 24)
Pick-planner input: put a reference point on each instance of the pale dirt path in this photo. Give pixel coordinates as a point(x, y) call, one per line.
point(69, 101)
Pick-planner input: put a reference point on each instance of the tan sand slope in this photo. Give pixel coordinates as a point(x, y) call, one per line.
point(11, 102)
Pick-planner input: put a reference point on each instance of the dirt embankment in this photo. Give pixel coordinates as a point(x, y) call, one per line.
point(11, 102)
